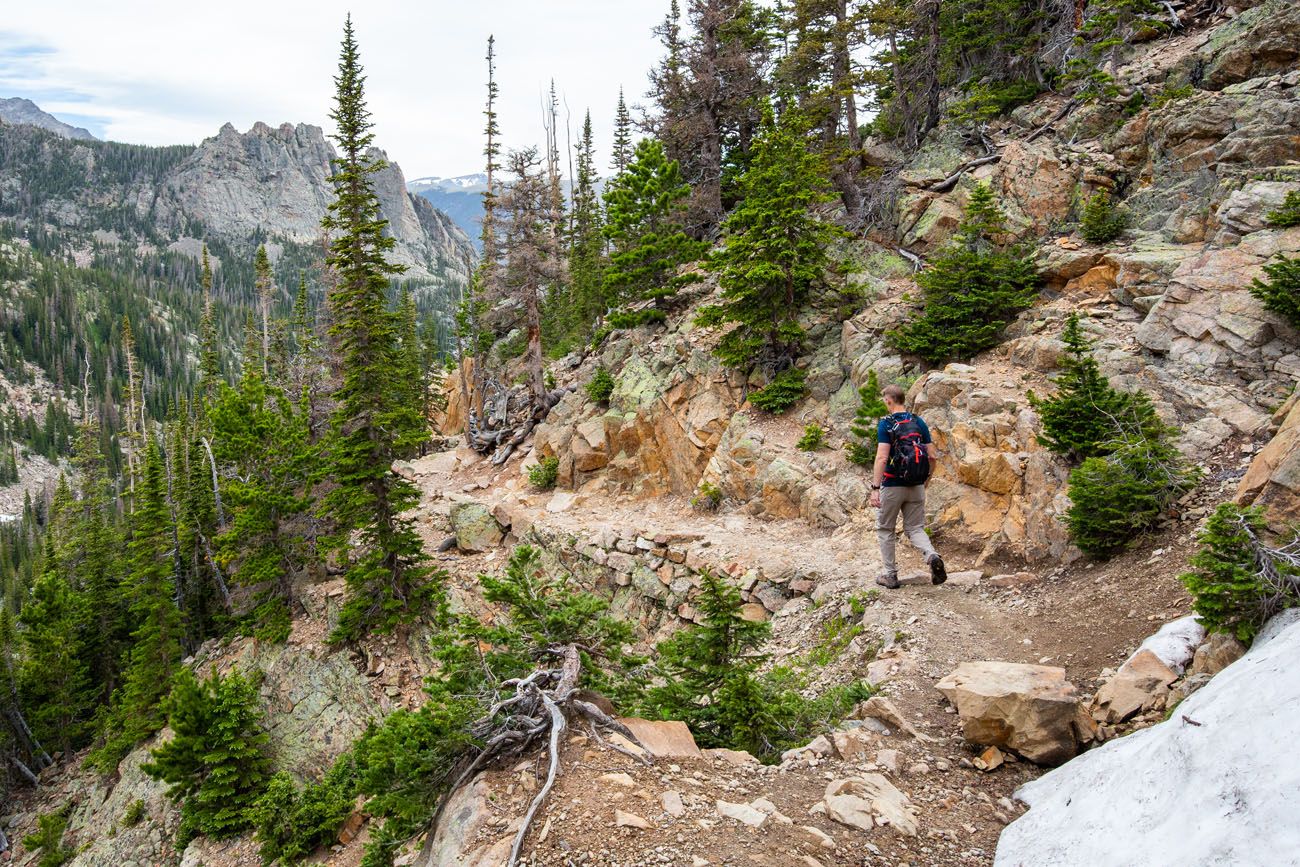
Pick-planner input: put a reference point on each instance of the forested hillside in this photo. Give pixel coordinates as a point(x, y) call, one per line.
point(581, 571)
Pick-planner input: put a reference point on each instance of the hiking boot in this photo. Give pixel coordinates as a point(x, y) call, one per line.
point(888, 579)
point(938, 574)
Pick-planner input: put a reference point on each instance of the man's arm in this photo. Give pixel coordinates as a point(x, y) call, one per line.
point(878, 472)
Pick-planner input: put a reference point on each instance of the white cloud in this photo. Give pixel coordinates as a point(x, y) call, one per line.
point(166, 73)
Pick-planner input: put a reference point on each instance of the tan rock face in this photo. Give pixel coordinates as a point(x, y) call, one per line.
point(1217, 653)
point(1030, 709)
point(1273, 478)
point(665, 739)
point(1142, 683)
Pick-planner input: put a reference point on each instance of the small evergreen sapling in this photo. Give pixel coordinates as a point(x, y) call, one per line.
point(1122, 494)
point(1238, 581)
point(600, 386)
point(292, 823)
point(48, 840)
point(707, 497)
point(1102, 222)
point(544, 473)
point(215, 762)
point(970, 291)
point(1288, 214)
point(1280, 291)
point(871, 409)
point(1084, 415)
point(814, 437)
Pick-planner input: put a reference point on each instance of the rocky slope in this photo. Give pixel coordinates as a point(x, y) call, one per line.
point(1028, 652)
point(18, 110)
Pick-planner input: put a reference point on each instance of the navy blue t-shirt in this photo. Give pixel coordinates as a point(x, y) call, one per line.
point(882, 436)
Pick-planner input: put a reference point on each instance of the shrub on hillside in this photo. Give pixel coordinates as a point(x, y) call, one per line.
point(1238, 581)
point(707, 497)
point(1280, 291)
point(543, 474)
point(971, 290)
point(783, 392)
point(710, 679)
point(814, 437)
point(1288, 214)
point(1116, 497)
point(292, 823)
point(48, 841)
point(1102, 222)
point(216, 761)
point(600, 386)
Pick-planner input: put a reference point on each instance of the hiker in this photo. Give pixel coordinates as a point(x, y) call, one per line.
point(898, 481)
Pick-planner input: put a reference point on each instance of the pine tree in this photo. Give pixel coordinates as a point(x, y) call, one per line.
point(587, 298)
point(265, 295)
point(215, 762)
point(387, 580)
point(648, 243)
point(209, 351)
point(413, 376)
point(263, 440)
point(1288, 213)
point(622, 135)
point(1101, 222)
point(532, 257)
point(1279, 289)
point(1238, 580)
point(871, 409)
point(156, 637)
point(971, 290)
point(710, 674)
point(1084, 415)
point(133, 429)
point(774, 249)
point(821, 70)
point(54, 677)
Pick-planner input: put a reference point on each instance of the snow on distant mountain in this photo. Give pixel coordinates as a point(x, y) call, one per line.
point(460, 198)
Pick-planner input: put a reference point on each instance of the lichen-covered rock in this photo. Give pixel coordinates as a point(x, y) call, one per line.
point(474, 527)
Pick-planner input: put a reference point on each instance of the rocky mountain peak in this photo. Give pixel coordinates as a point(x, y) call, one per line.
point(275, 181)
point(19, 110)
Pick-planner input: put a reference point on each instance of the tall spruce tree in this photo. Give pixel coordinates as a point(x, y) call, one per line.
point(774, 249)
point(263, 441)
point(586, 301)
point(209, 350)
point(643, 206)
point(622, 135)
point(155, 649)
point(871, 409)
point(55, 677)
point(387, 580)
point(265, 295)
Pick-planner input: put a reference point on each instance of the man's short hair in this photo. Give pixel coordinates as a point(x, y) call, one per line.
point(893, 393)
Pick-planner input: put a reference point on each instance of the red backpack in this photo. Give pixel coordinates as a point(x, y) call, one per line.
point(909, 462)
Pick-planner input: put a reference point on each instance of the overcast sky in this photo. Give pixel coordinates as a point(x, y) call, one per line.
point(174, 72)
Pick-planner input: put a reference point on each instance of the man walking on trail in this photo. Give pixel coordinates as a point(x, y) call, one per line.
point(898, 481)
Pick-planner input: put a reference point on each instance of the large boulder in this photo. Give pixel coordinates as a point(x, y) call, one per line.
point(1031, 709)
point(475, 528)
point(1273, 478)
point(1214, 784)
point(869, 800)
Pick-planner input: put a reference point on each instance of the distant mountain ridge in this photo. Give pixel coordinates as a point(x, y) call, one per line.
point(19, 110)
point(460, 198)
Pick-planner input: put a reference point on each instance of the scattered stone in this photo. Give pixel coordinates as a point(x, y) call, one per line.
point(631, 820)
point(618, 779)
point(743, 813)
point(1141, 684)
point(862, 802)
point(1031, 709)
point(1016, 579)
point(880, 708)
point(817, 836)
point(1216, 653)
point(989, 760)
point(888, 759)
point(736, 758)
point(665, 739)
point(672, 804)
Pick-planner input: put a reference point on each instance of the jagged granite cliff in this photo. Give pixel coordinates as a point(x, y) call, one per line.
point(240, 188)
point(276, 181)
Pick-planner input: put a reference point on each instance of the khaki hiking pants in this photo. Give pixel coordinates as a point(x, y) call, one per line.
point(911, 502)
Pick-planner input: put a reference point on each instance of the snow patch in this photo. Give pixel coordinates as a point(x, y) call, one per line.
point(1214, 785)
